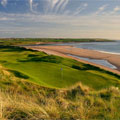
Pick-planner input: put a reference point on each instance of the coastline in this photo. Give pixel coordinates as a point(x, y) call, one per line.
point(109, 52)
point(92, 54)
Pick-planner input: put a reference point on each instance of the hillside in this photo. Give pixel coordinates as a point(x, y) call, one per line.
point(23, 100)
point(35, 85)
point(53, 71)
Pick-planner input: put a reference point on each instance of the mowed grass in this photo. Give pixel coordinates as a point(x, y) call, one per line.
point(53, 71)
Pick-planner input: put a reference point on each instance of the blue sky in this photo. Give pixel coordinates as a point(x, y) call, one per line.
point(60, 18)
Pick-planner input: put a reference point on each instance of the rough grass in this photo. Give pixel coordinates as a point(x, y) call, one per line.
point(53, 71)
point(22, 100)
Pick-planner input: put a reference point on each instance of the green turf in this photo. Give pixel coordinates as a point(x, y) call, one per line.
point(53, 71)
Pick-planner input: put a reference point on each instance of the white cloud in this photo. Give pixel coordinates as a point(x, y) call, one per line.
point(116, 9)
point(31, 5)
point(64, 5)
point(4, 3)
point(54, 2)
point(35, 5)
point(54, 6)
point(101, 9)
point(88, 20)
point(58, 6)
point(112, 12)
point(50, 5)
point(57, 25)
point(81, 8)
point(4, 19)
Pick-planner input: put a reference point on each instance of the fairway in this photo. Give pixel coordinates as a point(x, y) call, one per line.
point(53, 71)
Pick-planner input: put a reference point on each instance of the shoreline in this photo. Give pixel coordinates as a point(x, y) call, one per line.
point(63, 51)
point(61, 42)
point(97, 61)
point(107, 52)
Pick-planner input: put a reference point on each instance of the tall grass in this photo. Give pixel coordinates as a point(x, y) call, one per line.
point(22, 100)
point(60, 104)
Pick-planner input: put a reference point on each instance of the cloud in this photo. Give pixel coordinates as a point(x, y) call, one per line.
point(101, 9)
point(4, 3)
point(112, 12)
point(64, 5)
point(81, 8)
point(86, 20)
point(35, 5)
point(50, 5)
point(54, 6)
point(54, 2)
point(4, 19)
point(60, 3)
point(57, 25)
point(116, 9)
point(31, 5)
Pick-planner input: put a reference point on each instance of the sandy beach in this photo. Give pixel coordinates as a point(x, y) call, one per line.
point(65, 50)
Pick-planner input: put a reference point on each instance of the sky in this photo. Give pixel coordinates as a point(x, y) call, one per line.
point(60, 19)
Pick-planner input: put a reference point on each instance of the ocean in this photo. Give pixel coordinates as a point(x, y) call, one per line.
point(110, 47)
point(107, 47)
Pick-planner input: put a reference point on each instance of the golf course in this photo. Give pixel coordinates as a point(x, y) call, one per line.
point(53, 71)
point(36, 85)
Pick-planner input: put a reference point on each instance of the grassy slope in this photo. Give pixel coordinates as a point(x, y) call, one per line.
point(45, 70)
point(22, 100)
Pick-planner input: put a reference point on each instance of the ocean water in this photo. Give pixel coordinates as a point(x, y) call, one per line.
point(100, 62)
point(110, 47)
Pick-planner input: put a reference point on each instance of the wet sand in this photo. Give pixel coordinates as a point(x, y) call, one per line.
point(65, 50)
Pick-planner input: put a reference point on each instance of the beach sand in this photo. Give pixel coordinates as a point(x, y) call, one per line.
point(65, 50)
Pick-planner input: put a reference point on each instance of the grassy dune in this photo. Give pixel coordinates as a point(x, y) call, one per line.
point(37, 86)
point(23, 100)
point(53, 71)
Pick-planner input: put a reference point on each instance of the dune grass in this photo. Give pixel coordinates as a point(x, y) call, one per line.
point(23, 100)
point(37, 86)
point(53, 71)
